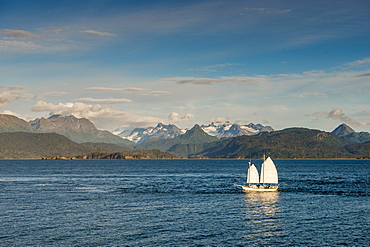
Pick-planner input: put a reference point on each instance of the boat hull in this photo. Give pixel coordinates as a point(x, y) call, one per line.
point(260, 189)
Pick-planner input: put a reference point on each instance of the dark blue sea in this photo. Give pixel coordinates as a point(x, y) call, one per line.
point(182, 203)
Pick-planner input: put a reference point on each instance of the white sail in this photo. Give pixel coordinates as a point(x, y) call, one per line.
point(253, 177)
point(269, 173)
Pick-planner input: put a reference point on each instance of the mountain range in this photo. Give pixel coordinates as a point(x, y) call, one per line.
point(193, 136)
point(161, 131)
point(221, 130)
point(287, 143)
point(21, 139)
point(217, 129)
point(82, 130)
point(79, 130)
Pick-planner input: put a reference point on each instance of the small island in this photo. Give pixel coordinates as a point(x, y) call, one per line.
point(136, 154)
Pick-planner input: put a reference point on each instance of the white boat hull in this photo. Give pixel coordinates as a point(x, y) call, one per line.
point(255, 188)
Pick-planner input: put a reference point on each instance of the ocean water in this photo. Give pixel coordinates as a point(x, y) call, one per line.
point(182, 203)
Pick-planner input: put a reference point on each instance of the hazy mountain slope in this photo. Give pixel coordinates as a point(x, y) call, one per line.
point(23, 145)
point(10, 123)
point(77, 129)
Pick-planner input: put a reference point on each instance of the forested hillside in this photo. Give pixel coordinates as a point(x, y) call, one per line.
point(288, 143)
point(23, 145)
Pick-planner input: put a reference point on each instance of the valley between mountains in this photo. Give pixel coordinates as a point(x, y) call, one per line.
point(68, 137)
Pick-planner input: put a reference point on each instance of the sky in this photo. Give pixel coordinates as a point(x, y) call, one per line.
point(129, 63)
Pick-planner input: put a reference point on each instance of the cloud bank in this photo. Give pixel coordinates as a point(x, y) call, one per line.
point(338, 114)
point(176, 118)
point(11, 94)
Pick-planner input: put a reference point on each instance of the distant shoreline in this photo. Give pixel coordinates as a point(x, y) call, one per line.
point(45, 158)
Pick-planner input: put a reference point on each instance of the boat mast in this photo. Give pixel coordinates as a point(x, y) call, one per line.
point(263, 170)
point(249, 174)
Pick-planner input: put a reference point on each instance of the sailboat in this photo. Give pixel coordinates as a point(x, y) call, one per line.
point(268, 180)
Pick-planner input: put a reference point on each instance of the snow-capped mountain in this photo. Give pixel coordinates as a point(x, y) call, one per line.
point(161, 131)
point(218, 129)
point(226, 129)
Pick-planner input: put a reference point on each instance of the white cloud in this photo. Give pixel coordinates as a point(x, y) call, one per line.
point(220, 119)
point(108, 101)
point(213, 68)
point(18, 46)
point(104, 117)
point(24, 117)
point(307, 94)
point(338, 114)
point(357, 63)
point(176, 118)
point(312, 84)
point(19, 34)
point(54, 93)
point(97, 33)
point(8, 94)
point(55, 31)
point(16, 87)
point(130, 89)
point(363, 75)
point(51, 93)
point(211, 81)
point(157, 93)
point(269, 11)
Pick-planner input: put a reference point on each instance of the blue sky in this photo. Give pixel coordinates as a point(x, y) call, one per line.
point(126, 64)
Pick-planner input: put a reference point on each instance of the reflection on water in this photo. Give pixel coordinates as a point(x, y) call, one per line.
point(262, 210)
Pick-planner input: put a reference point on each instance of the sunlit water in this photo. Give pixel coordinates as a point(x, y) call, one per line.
point(181, 203)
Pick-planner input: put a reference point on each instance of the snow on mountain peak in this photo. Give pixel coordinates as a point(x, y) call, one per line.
point(227, 129)
point(161, 131)
point(218, 129)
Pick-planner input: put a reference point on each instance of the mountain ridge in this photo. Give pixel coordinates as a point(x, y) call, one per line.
point(287, 143)
point(79, 130)
point(226, 129)
point(349, 134)
point(161, 131)
point(343, 130)
point(193, 136)
point(218, 129)
point(342, 142)
point(11, 123)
